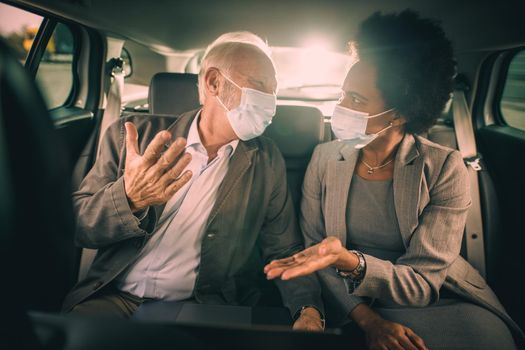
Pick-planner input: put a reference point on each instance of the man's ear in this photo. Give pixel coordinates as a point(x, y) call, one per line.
point(212, 81)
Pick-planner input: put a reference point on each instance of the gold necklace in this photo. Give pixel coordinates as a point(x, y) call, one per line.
point(371, 169)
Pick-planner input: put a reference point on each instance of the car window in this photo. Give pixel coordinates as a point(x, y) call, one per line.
point(135, 94)
point(310, 76)
point(310, 73)
point(18, 28)
point(303, 73)
point(512, 103)
point(55, 72)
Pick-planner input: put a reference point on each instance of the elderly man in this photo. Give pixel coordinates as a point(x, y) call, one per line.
point(197, 218)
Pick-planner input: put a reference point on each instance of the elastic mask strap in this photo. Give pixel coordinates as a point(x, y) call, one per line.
point(374, 136)
point(222, 104)
point(231, 81)
point(379, 114)
point(241, 88)
point(234, 84)
point(385, 129)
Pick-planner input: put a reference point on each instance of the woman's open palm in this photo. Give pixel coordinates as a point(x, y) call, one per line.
point(308, 261)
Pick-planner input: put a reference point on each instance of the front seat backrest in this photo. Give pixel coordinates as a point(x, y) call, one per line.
point(296, 130)
point(36, 248)
point(173, 93)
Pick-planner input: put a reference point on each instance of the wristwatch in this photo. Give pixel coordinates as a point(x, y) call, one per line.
point(355, 276)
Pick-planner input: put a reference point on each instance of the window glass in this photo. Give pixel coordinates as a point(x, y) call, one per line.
point(55, 72)
point(135, 94)
point(512, 104)
point(312, 73)
point(18, 28)
point(128, 70)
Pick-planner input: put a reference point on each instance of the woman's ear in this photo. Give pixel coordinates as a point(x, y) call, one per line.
point(398, 119)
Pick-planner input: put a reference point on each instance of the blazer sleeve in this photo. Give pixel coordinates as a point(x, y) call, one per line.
point(313, 228)
point(417, 276)
point(101, 207)
point(280, 238)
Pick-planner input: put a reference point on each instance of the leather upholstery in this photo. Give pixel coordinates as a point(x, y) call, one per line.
point(173, 93)
point(296, 130)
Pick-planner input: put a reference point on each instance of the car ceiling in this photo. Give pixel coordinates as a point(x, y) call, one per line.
point(166, 25)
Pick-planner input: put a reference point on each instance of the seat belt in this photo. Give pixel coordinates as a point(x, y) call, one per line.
point(114, 97)
point(467, 146)
point(111, 114)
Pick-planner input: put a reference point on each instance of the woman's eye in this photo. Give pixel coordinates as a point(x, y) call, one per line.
point(355, 100)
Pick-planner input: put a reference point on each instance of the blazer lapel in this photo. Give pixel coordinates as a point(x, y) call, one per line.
point(338, 179)
point(408, 172)
point(239, 164)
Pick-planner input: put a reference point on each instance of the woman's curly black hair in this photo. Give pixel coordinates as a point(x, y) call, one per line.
point(414, 62)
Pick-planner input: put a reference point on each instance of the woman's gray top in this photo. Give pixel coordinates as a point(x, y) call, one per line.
point(451, 323)
point(372, 221)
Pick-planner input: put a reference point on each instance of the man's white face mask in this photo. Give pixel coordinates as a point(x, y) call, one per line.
point(349, 124)
point(253, 114)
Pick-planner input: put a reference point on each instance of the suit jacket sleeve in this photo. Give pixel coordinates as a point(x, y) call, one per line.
point(281, 238)
point(417, 276)
point(313, 229)
point(101, 206)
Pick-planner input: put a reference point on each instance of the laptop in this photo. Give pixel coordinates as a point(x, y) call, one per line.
point(193, 314)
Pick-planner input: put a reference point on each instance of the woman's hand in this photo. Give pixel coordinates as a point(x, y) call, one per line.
point(320, 256)
point(382, 334)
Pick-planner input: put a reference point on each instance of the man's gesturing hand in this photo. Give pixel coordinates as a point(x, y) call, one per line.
point(151, 179)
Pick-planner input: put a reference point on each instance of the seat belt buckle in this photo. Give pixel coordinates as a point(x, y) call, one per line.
point(474, 163)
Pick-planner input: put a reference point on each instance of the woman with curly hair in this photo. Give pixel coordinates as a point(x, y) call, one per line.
point(384, 209)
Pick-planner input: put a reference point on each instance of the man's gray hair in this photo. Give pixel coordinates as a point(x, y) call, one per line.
point(219, 54)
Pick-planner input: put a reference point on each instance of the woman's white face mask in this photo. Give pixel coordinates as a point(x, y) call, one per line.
point(349, 124)
point(253, 114)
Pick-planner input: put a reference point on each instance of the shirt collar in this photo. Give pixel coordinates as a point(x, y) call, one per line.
point(194, 139)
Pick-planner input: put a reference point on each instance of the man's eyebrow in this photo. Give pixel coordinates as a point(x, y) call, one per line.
point(256, 81)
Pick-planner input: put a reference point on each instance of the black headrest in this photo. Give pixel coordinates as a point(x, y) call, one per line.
point(296, 130)
point(173, 93)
